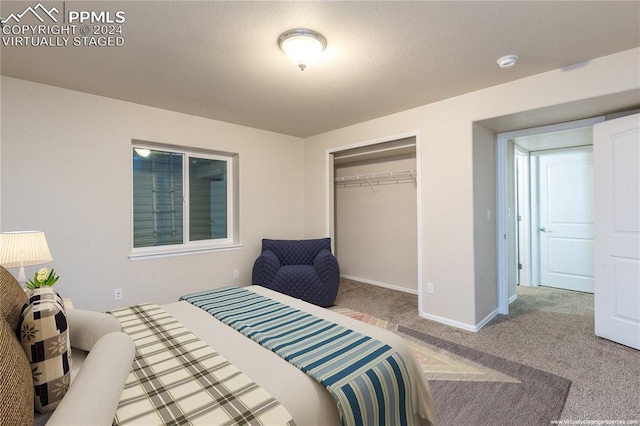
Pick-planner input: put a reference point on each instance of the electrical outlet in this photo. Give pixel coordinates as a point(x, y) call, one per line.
point(117, 294)
point(430, 288)
point(236, 274)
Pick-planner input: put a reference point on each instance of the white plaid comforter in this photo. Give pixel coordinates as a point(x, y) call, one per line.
point(178, 379)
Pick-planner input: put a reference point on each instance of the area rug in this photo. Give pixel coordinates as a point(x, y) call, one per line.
point(474, 388)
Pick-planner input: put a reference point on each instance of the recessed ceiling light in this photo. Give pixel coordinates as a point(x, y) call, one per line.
point(507, 61)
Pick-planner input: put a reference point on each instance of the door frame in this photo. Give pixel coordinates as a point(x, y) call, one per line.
point(523, 221)
point(329, 195)
point(501, 196)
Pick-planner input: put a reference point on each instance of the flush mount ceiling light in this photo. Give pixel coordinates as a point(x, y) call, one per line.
point(507, 61)
point(302, 46)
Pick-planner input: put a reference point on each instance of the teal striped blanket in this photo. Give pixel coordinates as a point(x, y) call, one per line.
point(367, 378)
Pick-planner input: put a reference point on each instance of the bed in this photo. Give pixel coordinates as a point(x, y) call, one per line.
point(185, 336)
point(307, 401)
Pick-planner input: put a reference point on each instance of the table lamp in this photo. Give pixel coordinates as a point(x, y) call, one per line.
point(23, 248)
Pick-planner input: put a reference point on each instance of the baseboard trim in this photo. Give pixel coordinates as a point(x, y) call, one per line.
point(447, 321)
point(486, 319)
point(513, 298)
point(442, 320)
point(379, 284)
point(461, 325)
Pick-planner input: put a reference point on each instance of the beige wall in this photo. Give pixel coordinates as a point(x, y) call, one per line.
point(66, 170)
point(484, 222)
point(447, 162)
point(376, 235)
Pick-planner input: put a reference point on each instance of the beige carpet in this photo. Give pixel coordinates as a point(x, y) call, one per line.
point(547, 329)
point(436, 363)
point(471, 387)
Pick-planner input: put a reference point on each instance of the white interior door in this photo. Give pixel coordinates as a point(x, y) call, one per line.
point(566, 219)
point(617, 230)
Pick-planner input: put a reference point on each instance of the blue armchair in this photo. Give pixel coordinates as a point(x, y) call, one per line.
point(304, 269)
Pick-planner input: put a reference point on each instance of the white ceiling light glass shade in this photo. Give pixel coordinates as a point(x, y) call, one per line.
point(143, 152)
point(302, 46)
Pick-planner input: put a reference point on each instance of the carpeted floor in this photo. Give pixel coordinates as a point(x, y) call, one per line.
point(471, 387)
point(547, 329)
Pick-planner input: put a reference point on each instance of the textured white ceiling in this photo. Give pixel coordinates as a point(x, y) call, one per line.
point(221, 60)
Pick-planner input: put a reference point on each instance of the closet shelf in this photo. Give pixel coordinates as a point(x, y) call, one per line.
point(370, 179)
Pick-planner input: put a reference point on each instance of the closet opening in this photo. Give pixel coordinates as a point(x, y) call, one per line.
point(374, 212)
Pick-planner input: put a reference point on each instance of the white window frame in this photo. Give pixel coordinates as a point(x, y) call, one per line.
point(190, 247)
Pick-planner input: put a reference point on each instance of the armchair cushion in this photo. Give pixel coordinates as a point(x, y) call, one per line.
point(265, 267)
point(326, 266)
point(95, 392)
point(87, 327)
point(16, 384)
point(296, 252)
point(12, 300)
point(304, 269)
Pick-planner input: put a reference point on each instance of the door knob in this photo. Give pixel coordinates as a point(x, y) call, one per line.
point(543, 229)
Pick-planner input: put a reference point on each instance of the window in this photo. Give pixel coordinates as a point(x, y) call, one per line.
point(183, 201)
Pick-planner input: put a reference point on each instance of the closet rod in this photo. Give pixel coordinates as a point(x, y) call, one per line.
point(378, 177)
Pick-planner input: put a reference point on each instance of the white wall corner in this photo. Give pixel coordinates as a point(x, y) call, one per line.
point(461, 325)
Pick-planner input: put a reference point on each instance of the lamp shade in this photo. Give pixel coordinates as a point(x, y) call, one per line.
point(302, 46)
point(23, 248)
